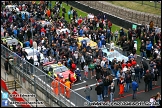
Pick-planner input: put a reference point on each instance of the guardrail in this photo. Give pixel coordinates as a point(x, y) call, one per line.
point(40, 82)
point(155, 4)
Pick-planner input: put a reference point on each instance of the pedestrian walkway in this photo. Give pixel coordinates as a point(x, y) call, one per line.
point(9, 77)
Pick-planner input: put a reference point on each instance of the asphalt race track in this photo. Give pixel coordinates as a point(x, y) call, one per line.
point(142, 96)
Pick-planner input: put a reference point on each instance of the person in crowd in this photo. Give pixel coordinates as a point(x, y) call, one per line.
point(158, 98)
point(106, 83)
point(137, 72)
point(86, 71)
point(55, 86)
point(155, 74)
point(112, 91)
point(121, 87)
point(100, 81)
point(68, 87)
point(141, 71)
point(62, 84)
point(148, 49)
point(98, 71)
point(143, 50)
point(147, 78)
point(92, 69)
point(145, 66)
point(6, 65)
point(82, 61)
point(98, 89)
point(128, 80)
point(152, 101)
point(78, 74)
point(116, 35)
point(31, 61)
point(87, 92)
point(134, 88)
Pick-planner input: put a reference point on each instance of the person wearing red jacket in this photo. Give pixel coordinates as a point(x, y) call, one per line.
point(73, 66)
point(43, 31)
point(109, 25)
point(123, 65)
point(79, 21)
point(129, 64)
point(31, 42)
point(133, 62)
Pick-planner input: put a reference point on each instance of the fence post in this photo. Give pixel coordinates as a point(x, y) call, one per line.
point(155, 3)
point(15, 78)
point(142, 2)
point(5, 76)
point(35, 90)
point(15, 85)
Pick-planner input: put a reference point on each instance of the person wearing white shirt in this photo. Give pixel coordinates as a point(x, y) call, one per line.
point(76, 55)
point(102, 63)
point(152, 101)
point(46, 60)
point(112, 45)
point(34, 44)
point(82, 60)
point(86, 71)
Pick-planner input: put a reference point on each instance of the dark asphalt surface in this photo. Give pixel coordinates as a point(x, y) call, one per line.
point(142, 96)
point(10, 99)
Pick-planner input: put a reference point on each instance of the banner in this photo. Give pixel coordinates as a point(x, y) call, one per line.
point(135, 45)
point(134, 26)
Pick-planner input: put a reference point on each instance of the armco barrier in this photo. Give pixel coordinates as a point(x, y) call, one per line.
point(39, 83)
point(115, 18)
point(20, 99)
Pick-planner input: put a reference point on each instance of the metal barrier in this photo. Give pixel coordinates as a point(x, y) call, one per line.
point(151, 4)
point(39, 81)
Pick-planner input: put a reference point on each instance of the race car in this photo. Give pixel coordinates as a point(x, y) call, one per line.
point(11, 41)
point(12, 7)
point(58, 31)
point(30, 52)
point(43, 23)
point(92, 44)
point(114, 54)
point(23, 12)
point(56, 69)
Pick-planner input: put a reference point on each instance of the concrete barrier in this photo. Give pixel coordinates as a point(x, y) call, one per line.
point(133, 16)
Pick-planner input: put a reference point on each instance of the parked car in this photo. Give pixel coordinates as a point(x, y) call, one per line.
point(110, 55)
point(43, 23)
point(55, 69)
point(30, 52)
point(23, 12)
point(92, 44)
point(58, 31)
point(11, 41)
point(12, 7)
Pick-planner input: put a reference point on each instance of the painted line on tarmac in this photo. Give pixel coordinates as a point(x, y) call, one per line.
point(79, 83)
point(142, 91)
point(89, 85)
point(83, 87)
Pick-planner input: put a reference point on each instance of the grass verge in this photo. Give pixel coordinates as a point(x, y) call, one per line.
point(148, 7)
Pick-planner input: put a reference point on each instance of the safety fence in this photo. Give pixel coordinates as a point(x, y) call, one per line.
point(40, 83)
point(155, 4)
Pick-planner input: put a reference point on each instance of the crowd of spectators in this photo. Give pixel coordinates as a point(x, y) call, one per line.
point(63, 46)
